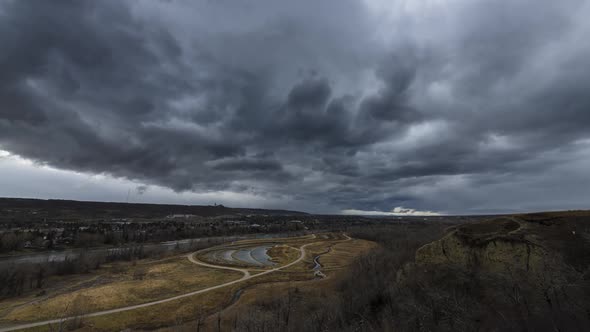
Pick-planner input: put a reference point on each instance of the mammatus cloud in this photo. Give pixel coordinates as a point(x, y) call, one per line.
point(453, 106)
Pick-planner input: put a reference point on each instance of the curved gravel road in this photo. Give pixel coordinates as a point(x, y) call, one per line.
point(192, 258)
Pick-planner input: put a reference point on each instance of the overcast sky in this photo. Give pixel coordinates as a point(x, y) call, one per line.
point(445, 106)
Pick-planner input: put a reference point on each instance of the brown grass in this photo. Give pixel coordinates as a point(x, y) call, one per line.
point(299, 277)
point(158, 281)
point(172, 277)
point(283, 254)
point(343, 253)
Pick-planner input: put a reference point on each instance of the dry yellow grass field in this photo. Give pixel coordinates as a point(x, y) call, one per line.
point(341, 255)
point(282, 254)
point(139, 284)
point(150, 281)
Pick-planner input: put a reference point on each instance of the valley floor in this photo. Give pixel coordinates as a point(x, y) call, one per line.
point(153, 293)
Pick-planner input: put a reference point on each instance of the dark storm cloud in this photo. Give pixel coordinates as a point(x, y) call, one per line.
point(390, 104)
point(247, 165)
point(325, 103)
point(310, 94)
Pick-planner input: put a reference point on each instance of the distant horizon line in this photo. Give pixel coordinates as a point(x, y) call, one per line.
point(372, 214)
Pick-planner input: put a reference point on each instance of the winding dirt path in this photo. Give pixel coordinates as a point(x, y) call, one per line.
point(191, 258)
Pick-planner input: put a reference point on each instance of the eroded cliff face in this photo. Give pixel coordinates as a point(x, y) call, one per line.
point(526, 273)
point(504, 246)
point(496, 256)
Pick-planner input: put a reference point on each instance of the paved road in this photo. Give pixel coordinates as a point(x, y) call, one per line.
point(192, 258)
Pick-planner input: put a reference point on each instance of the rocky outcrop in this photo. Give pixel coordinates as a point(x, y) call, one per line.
point(497, 255)
point(500, 246)
point(527, 271)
